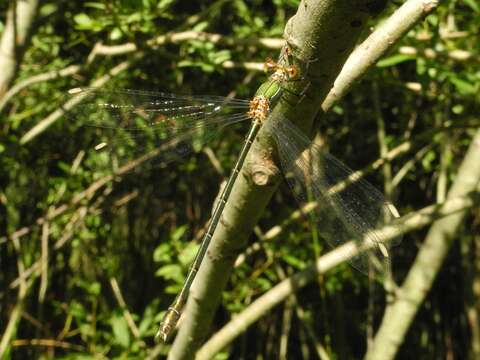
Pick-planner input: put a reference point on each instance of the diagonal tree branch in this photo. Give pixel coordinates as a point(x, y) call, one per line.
point(415, 11)
point(313, 34)
point(377, 44)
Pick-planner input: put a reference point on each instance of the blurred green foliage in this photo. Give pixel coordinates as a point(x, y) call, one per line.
point(142, 228)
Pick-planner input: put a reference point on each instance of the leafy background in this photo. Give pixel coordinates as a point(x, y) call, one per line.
point(141, 230)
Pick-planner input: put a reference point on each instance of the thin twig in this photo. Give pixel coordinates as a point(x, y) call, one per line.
point(126, 313)
point(179, 37)
point(14, 319)
point(456, 55)
point(377, 44)
point(72, 226)
point(47, 343)
point(214, 160)
point(54, 74)
point(71, 103)
point(44, 262)
point(304, 321)
point(382, 143)
point(400, 175)
point(286, 327)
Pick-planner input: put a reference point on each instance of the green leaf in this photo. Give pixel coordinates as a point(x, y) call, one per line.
point(178, 233)
point(428, 160)
point(145, 324)
point(164, 4)
point(77, 310)
point(188, 253)
point(264, 284)
point(473, 4)
point(94, 288)
point(86, 329)
point(133, 18)
point(76, 356)
point(120, 330)
point(293, 261)
point(162, 253)
point(221, 56)
point(64, 167)
point(173, 289)
point(201, 26)
point(458, 109)
point(116, 34)
point(222, 356)
point(394, 60)
point(185, 63)
point(83, 20)
point(464, 87)
point(208, 68)
point(171, 272)
point(48, 9)
point(95, 5)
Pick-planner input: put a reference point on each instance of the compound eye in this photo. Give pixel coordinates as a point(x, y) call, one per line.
point(292, 71)
point(269, 65)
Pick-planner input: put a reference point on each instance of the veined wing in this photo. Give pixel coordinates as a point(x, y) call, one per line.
point(347, 209)
point(133, 122)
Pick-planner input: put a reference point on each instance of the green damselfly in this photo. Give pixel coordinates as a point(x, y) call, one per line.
point(351, 211)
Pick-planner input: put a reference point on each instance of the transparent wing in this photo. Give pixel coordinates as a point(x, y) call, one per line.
point(348, 208)
point(131, 122)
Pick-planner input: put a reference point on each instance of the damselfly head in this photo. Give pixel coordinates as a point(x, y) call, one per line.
point(292, 72)
point(281, 72)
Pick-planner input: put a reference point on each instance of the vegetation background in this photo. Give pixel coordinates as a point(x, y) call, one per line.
point(90, 262)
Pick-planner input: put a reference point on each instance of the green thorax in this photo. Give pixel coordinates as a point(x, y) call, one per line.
point(270, 89)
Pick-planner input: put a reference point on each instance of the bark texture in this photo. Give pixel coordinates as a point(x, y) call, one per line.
point(321, 34)
point(20, 17)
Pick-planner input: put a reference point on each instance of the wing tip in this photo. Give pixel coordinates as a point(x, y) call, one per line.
point(393, 209)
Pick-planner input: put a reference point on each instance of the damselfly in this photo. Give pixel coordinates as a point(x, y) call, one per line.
point(344, 212)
